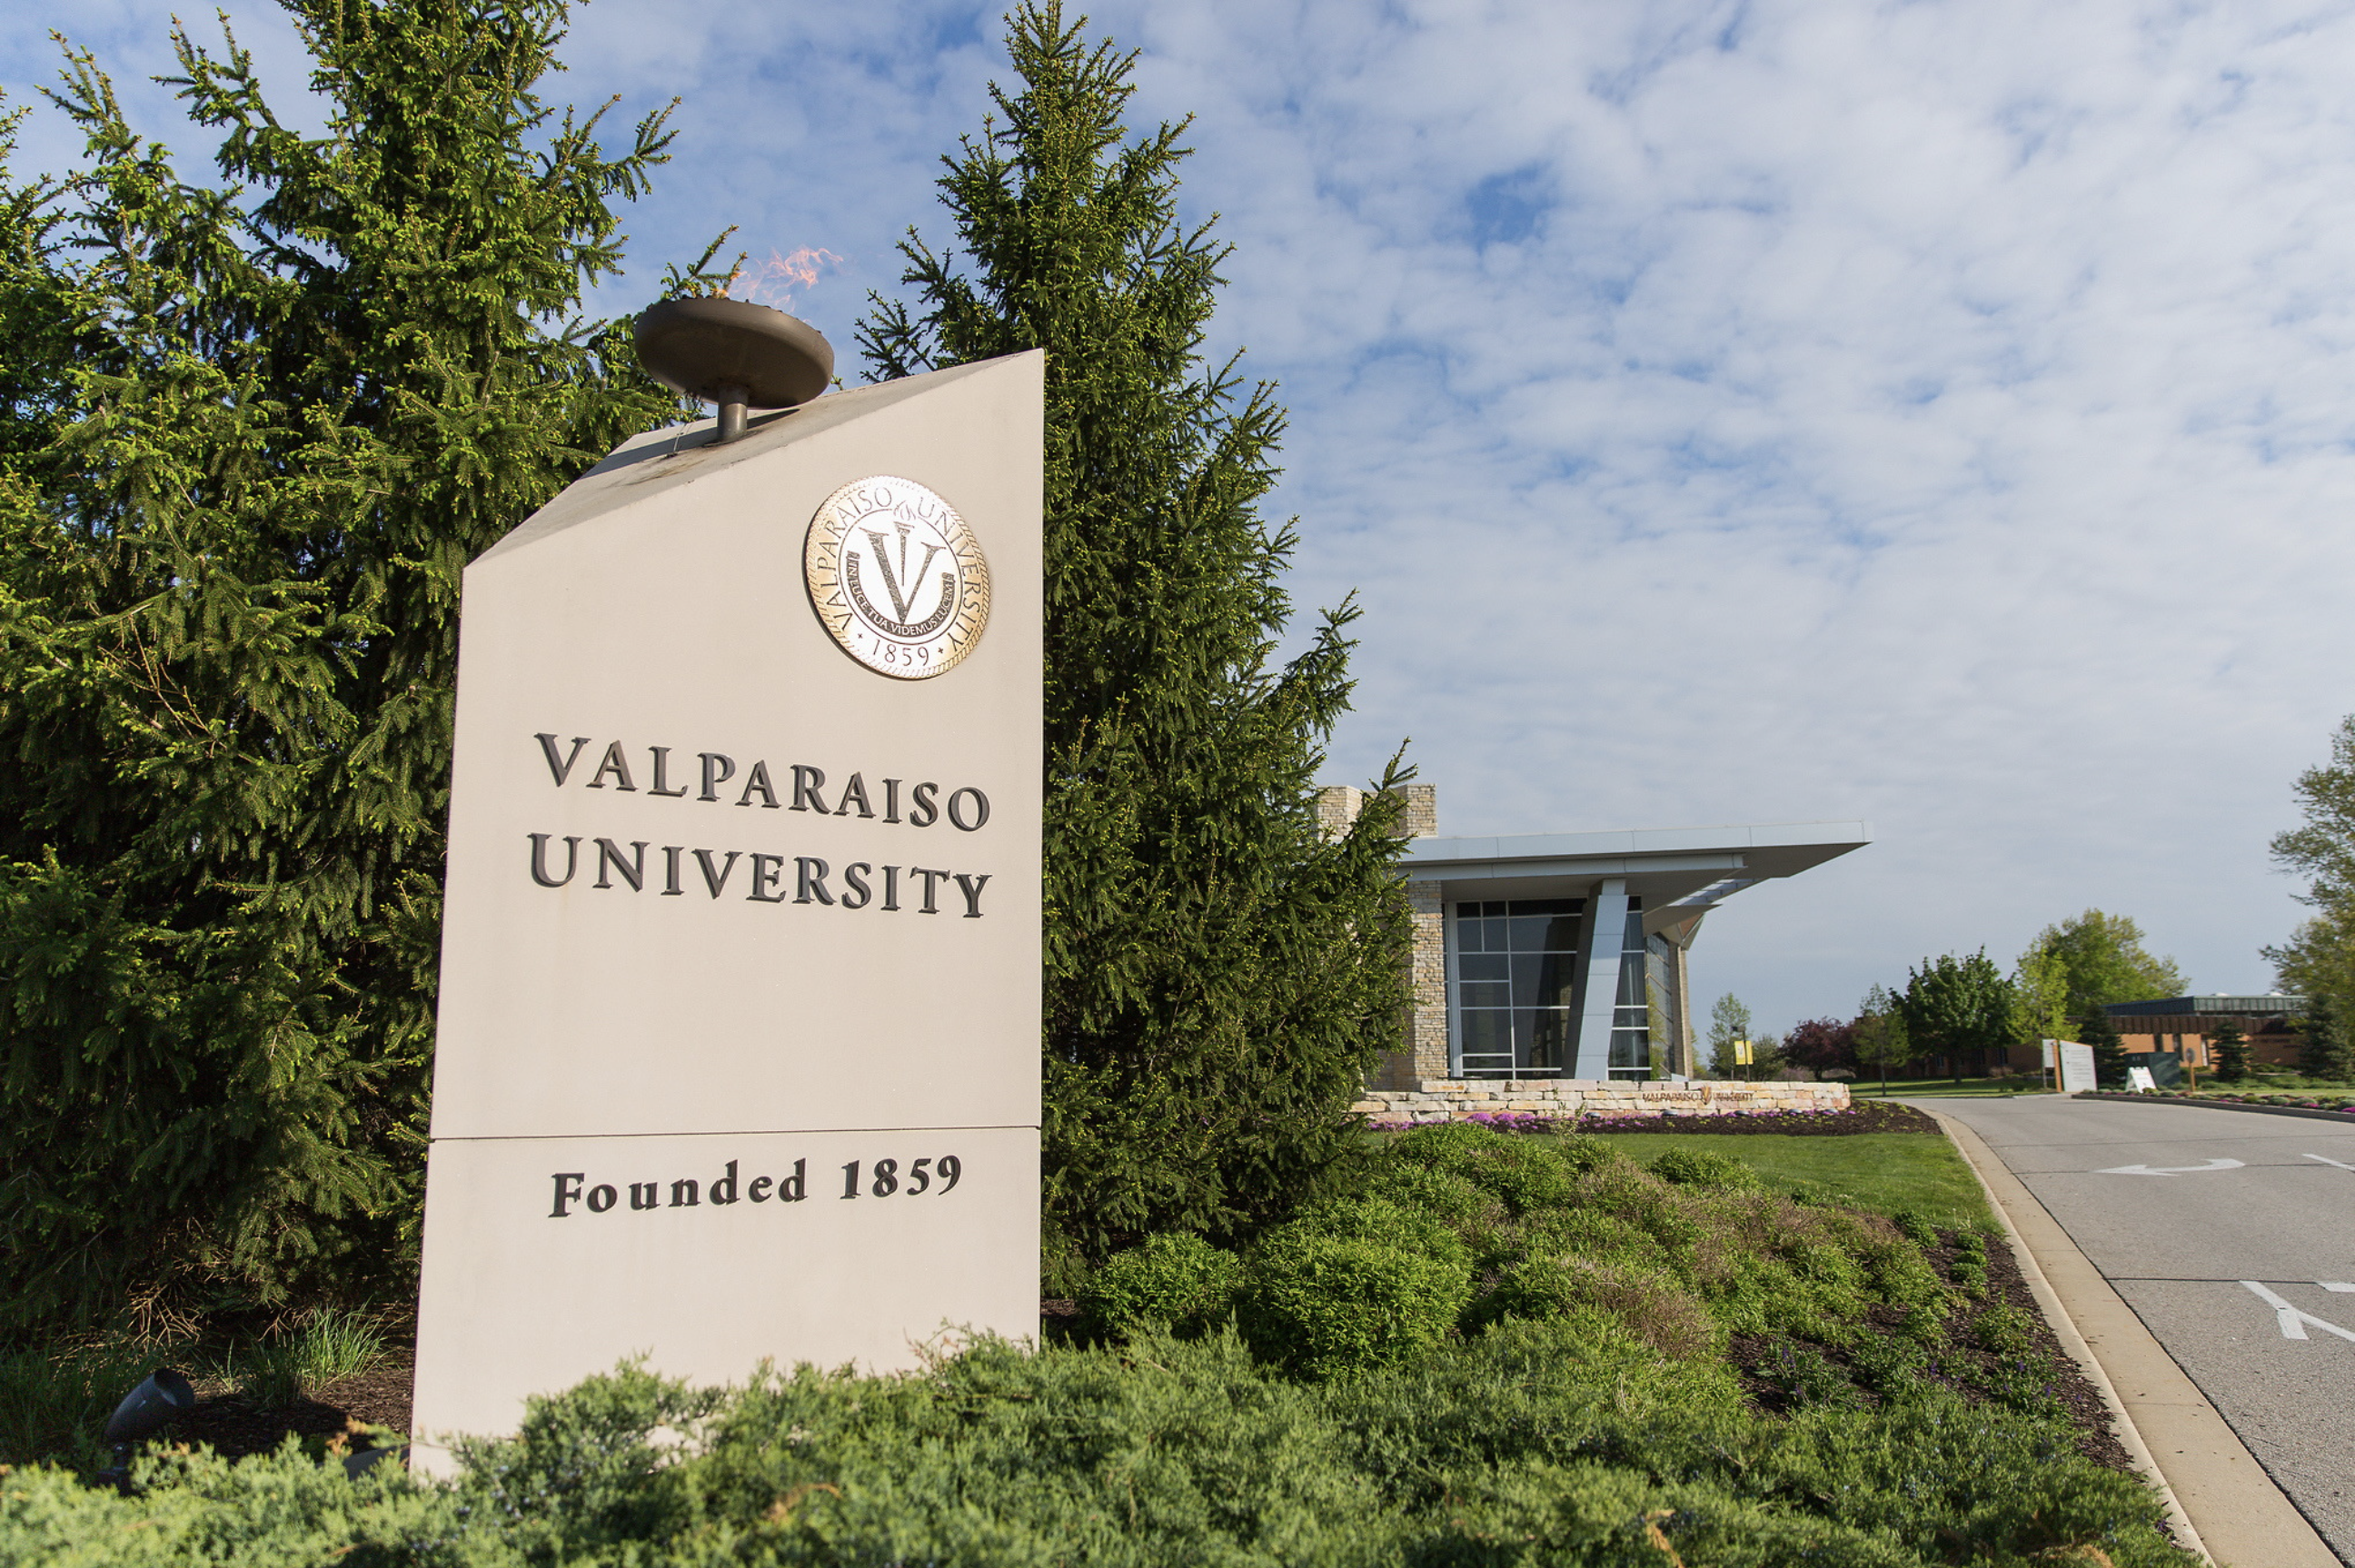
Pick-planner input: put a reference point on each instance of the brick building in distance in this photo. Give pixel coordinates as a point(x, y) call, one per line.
point(2182, 1026)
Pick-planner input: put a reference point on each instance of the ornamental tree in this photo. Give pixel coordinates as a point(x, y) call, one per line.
point(1957, 1007)
point(1729, 1021)
point(1821, 1045)
point(1879, 1035)
point(253, 432)
point(1219, 974)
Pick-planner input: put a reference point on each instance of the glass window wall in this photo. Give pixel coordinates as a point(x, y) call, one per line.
point(1513, 969)
point(1630, 1013)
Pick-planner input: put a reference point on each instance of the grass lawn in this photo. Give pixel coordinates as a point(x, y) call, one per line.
point(1881, 1171)
point(1974, 1088)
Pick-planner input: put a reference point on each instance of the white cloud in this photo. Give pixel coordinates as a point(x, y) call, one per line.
point(1937, 414)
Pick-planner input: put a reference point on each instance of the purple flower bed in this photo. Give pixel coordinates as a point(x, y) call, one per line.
point(1877, 1117)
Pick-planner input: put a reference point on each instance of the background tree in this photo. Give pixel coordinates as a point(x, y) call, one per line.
point(1728, 1021)
point(1821, 1045)
point(1219, 974)
point(2109, 1049)
point(2105, 962)
point(1879, 1035)
point(2319, 958)
point(254, 432)
point(2323, 848)
point(2039, 986)
point(1958, 1009)
point(2230, 1046)
point(2322, 1045)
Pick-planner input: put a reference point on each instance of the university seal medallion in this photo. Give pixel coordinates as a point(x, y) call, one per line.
point(897, 577)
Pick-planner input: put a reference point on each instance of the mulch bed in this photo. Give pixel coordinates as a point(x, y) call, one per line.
point(237, 1426)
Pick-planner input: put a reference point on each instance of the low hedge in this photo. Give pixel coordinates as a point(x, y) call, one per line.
point(1561, 1441)
point(1496, 1350)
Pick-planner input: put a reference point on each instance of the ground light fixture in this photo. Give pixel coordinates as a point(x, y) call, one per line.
point(734, 353)
point(145, 1411)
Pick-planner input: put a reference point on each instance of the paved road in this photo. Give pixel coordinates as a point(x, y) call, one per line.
point(2243, 1269)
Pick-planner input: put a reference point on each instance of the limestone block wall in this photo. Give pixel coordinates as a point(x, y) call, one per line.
point(1421, 819)
point(1425, 1054)
point(1424, 1047)
point(1443, 1100)
point(1337, 807)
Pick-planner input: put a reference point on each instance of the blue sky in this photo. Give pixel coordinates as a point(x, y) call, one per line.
point(1936, 413)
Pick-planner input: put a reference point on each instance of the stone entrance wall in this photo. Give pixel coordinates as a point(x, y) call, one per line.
point(1449, 1099)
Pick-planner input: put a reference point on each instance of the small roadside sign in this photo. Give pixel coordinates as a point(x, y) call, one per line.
point(2074, 1063)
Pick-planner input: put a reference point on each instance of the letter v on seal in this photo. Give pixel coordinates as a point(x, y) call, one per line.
point(900, 604)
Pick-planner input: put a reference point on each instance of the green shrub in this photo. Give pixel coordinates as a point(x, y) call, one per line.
point(1523, 1174)
point(1349, 1288)
point(1887, 1364)
point(1629, 1193)
point(1647, 1305)
point(1896, 1269)
point(1699, 1167)
point(1534, 1443)
point(1805, 1375)
point(1589, 1232)
point(1441, 1194)
point(2005, 1330)
point(1584, 1152)
point(1377, 1220)
point(1178, 1283)
point(1917, 1230)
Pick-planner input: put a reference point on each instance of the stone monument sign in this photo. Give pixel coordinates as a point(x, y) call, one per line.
point(739, 1035)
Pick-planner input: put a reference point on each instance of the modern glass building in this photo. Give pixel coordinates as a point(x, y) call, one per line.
point(1564, 954)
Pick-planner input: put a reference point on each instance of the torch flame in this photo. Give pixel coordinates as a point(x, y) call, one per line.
point(775, 281)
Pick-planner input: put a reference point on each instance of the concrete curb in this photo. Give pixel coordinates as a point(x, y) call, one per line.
point(2219, 1500)
point(2132, 1099)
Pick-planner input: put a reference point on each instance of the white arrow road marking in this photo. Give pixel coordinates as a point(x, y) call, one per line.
point(2172, 1169)
point(2293, 1322)
point(2334, 1284)
point(2327, 1161)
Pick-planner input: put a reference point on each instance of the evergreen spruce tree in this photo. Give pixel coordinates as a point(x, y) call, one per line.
point(2322, 1046)
point(2109, 1049)
point(1219, 974)
point(2230, 1048)
point(253, 434)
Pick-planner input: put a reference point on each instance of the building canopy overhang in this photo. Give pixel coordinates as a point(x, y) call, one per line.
point(1679, 874)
